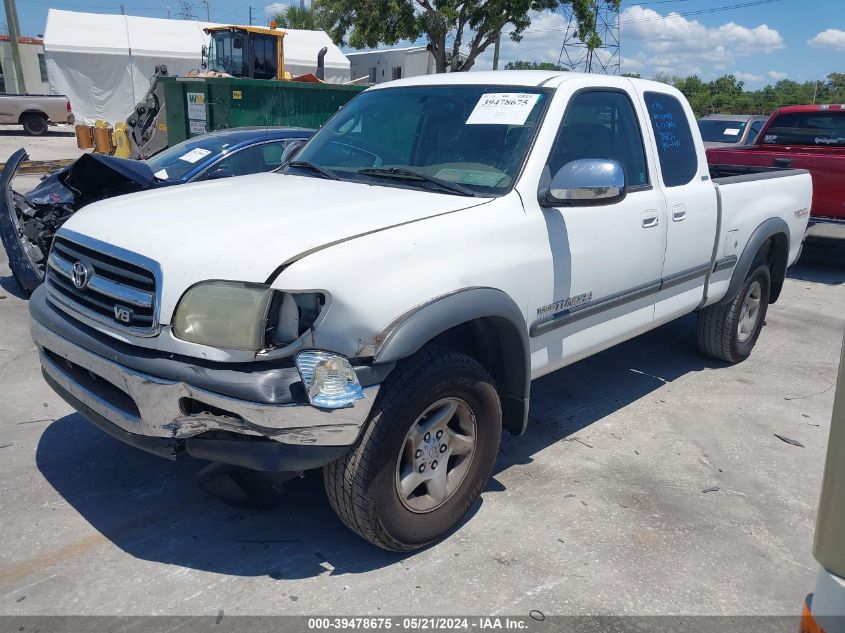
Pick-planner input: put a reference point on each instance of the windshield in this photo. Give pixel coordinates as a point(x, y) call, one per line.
point(721, 131)
point(807, 128)
point(227, 53)
point(476, 137)
point(174, 162)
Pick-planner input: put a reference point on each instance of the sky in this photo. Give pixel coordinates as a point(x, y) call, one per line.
point(760, 43)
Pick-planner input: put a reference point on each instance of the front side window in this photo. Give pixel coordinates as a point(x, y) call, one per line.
point(755, 130)
point(675, 146)
point(228, 54)
point(474, 136)
point(601, 124)
point(821, 129)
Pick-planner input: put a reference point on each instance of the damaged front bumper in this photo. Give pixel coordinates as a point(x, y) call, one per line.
point(167, 406)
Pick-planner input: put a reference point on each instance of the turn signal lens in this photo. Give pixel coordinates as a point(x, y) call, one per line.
point(330, 382)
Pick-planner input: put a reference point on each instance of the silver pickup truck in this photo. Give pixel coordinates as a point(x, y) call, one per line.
point(34, 112)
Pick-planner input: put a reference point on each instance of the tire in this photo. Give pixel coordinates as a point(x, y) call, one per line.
point(364, 486)
point(724, 329)
point(34, 124)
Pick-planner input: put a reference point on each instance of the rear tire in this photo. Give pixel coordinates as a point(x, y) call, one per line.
point(34, 124)
point(728, 331)
point(437, 421)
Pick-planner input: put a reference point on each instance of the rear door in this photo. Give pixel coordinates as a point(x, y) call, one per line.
point(690, 199)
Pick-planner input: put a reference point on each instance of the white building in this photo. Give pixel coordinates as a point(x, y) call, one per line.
point(104, 62)
point(33, 62)
point(391, 63)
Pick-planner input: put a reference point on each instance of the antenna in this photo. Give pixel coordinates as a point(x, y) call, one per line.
point(576, 55)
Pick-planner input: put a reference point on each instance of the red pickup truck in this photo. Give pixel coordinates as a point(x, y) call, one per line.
point(810, 137)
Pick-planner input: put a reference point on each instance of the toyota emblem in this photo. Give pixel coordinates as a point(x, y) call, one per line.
point(80, 274)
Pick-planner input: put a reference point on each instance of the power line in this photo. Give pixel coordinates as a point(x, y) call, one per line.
point(663, 17)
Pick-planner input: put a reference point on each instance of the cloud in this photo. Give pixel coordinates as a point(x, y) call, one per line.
point(675, 45)
point(276, 7)
point(279, 7)
point(777, 76)
point(540, 43)
point(749, 78)
point(832, 39)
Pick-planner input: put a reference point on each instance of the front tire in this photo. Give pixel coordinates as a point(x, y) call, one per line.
point(729, 331)
point(425, 455)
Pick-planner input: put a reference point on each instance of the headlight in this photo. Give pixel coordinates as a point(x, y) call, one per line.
point(329, 379)
point(228, 314)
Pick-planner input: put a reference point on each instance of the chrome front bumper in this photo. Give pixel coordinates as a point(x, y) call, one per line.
point(153, 407)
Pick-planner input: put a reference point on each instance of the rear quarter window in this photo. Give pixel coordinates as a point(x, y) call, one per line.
point(675, 146)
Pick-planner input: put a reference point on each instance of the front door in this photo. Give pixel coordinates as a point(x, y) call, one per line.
point(607, 259)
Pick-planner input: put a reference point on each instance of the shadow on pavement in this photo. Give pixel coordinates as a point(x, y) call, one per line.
point(50, 132)
point(157, 510)
point(822, 261)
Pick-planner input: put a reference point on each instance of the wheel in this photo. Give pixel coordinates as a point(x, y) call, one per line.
point(425, 455)
point(729, 331)
point(34, 124)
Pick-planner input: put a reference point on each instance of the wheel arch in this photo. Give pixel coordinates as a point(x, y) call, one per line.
point(483, 323)
point(770, 240)
point(32, 111)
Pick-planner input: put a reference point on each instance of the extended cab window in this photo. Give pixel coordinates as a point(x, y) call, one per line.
point(601, 124)
point(807, 128)
point(675, 147)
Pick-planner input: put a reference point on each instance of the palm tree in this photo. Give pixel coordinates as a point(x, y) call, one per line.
point(296, 17)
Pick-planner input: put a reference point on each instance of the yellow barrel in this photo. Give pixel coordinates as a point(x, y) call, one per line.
point(84, 139)
point(102, 141)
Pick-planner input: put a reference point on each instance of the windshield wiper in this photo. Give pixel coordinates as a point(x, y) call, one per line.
point(399, 172)
point(304, 164)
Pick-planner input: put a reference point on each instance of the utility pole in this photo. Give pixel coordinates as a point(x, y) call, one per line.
point(122, 10)
point(14, 36)
point(496, 52)
point(250, 16)
point(207, 4)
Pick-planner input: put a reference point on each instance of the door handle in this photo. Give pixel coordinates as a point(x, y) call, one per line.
point(650, 219)
point(679, 213)
point(783, 162)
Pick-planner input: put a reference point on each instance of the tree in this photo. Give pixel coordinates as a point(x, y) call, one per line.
point(294, 17)
point(521, 65)
point(478, 23)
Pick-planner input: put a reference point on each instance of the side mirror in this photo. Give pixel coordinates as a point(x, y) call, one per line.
point(204, 58)
point(584, 182)
point(291, 151)
point(220, 172)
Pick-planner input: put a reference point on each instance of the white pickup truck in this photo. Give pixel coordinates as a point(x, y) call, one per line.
point(380, 307)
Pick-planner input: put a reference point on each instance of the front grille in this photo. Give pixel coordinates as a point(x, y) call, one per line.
point(115, 291)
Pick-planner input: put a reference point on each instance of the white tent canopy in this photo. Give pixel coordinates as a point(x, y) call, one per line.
point(104, 63)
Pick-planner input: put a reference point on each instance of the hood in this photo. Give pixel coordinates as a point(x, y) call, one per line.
point(92, 177)
point(244, 228)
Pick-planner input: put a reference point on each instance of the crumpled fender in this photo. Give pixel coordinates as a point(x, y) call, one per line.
point(22, 268)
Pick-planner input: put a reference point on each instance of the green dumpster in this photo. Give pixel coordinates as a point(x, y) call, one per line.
point(196, 105)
